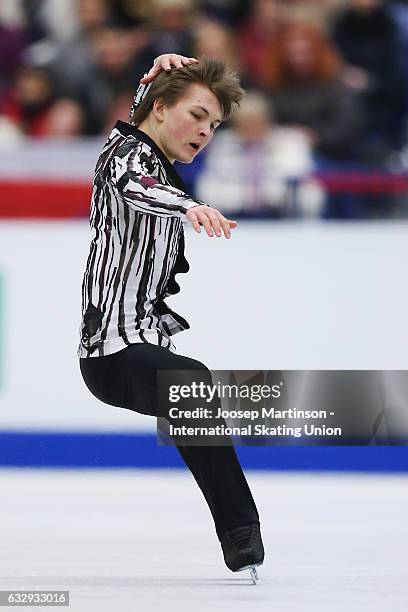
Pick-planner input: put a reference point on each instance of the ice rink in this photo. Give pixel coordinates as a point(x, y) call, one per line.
point(144, 540)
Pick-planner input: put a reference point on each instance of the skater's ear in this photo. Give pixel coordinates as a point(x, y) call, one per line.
point(158, 109)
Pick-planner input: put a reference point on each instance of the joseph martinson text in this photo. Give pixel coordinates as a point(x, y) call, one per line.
point(247, 426)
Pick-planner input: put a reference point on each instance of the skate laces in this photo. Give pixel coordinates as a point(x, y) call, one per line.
point(245, 536)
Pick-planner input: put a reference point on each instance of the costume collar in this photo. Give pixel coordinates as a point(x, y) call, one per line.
point(128, 129)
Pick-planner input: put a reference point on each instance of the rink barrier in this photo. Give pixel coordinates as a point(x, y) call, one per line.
point(56, 197)
point(123, 450)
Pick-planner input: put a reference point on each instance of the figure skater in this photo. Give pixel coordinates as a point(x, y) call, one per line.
point(138, 207)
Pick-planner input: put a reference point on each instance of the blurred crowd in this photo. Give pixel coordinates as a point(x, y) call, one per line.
point(327, 80)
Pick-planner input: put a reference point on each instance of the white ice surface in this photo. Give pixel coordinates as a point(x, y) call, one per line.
point(144, 540)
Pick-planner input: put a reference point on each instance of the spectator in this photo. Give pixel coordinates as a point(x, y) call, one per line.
point(131, 14)
point(75, 60)
point(118, 109)
point(303, 75)
point(367, 38)
point(170, 22)
point(229, 12)
point(399, 13)
point(398, 9)
point(250, 165)
point(9, 134)
point(215, 40)
point(65, 120)
point(318, 13)
point(256, 36)
point(113, 75)
point(42, 19)
point(12, 43)
point(33, 108)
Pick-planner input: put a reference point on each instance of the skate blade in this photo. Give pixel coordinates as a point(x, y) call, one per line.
point(253, 574)
point(252, 571)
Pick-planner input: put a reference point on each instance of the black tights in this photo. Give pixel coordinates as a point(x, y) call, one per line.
point(127, 379)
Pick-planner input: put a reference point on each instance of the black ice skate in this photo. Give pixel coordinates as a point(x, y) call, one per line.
point(243, 549)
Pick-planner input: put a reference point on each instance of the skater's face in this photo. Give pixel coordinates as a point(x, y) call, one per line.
point(187, 127)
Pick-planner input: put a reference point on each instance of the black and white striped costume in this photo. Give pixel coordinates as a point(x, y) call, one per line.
point(137, 211)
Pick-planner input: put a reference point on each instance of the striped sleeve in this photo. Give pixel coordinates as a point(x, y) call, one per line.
point(138, 97)
point(132, 173)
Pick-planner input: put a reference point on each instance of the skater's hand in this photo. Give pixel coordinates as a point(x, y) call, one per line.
point(212, 220)
point(165, 62)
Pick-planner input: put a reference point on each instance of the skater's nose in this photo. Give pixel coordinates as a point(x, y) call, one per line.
point(205, 131)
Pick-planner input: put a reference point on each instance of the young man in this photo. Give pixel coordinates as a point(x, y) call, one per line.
point(138, 207)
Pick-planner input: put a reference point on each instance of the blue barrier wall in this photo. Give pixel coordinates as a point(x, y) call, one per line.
point(122, 450)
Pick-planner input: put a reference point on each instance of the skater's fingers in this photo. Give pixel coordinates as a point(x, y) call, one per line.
point(151, 75)
point(176, 60)
point(165, 64)
point(230, 222)
point(215, 222)
point(211, 219)
point(225, 226)
point(171, 59)
point(153, 72)
point(205, 221)
point(192, 217)
point(189, 60)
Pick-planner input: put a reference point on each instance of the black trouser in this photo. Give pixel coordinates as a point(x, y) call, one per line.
point(127, 379)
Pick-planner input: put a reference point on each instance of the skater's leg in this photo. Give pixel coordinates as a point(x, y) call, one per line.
point(221, 479)
point(128, 379)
